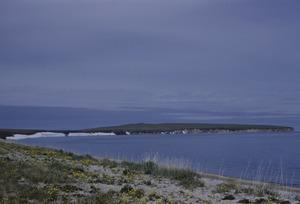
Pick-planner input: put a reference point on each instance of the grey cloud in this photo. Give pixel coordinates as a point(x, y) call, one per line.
point(214, 55)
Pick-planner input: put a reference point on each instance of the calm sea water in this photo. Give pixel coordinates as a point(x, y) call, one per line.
point(271, 157)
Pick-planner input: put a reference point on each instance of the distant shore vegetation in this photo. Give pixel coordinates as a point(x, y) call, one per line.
point(163, 128)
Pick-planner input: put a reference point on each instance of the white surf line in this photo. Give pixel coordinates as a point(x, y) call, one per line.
point(56, 134)
point(74, 134)
point(36, 135)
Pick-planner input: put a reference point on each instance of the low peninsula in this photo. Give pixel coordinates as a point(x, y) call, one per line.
point(162, 128)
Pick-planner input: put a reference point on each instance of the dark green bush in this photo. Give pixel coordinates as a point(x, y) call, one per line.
point(249, 201)
point(126, 189)
point(139, 193)
point(228, 197)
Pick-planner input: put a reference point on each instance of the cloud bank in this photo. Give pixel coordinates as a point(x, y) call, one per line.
point(233, 56)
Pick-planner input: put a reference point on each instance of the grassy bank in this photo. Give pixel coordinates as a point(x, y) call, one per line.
point(39, 175)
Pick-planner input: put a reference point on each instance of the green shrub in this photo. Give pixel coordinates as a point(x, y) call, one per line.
point(246, 201)
point(149, 167)
point(148, 183)
point(139, 193)
point(109, 163)
point(228, 197)
point(126, 189)
point(186, 177)
point(127, 172)
point(225, 188)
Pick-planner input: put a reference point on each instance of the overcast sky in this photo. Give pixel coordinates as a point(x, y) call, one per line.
point(187, 57)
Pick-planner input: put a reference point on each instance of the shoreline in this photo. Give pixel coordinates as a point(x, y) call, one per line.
point(98, 134)
point(136, 182)
point(163, 128)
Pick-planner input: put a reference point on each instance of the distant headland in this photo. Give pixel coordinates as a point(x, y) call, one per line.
point(162, 128)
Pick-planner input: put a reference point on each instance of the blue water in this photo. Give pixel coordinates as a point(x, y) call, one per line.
point(270, 157)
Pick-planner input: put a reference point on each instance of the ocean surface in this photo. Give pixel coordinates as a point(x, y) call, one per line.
point(269, 157)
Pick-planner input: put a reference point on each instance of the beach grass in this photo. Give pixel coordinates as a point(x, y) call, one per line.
point(31, 174)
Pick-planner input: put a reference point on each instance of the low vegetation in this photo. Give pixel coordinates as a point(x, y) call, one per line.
point(142, 128)
point(39, 175)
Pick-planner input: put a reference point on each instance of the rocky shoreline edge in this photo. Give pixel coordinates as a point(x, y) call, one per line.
point(31, 174)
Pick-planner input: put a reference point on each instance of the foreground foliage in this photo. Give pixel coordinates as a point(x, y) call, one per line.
point(40, 175)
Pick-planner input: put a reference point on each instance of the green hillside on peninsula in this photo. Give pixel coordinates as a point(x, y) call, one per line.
point(162, 128)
